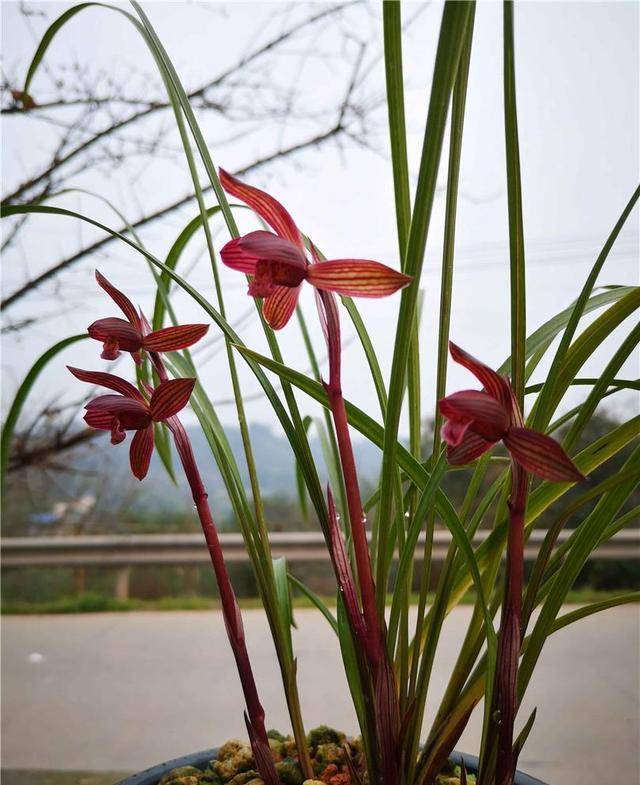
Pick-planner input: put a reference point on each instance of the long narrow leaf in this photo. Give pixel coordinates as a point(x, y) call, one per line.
point(455, 20)
point(23, 391)
point(514, 201)
point(579, 308)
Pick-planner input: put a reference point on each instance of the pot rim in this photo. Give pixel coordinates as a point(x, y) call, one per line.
point(154, 774)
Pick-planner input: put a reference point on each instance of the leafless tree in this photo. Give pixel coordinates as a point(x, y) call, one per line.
point(100, 125)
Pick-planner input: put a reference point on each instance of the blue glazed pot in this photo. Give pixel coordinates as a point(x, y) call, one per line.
point(201, 759)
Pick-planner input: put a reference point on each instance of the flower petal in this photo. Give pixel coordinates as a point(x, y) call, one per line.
point(130, 413)
point(128, 338)
point(270, 275)
point(497, 386)
point(109, 381)
point(169, 397)
point(487, 417)
point(237, 258)
point(185, 451)
point(268, 208)
point(471, 447)
point(120, 299)
point(357, 277)
point(261, 245)
point(110, 349)
point(99, 419)
point(116, 404)
point(170, 339)
point(541, 455)
point(453, 431)
point(141, 451)
point(278, 307)
point(118, 433)
point(330, 323)
point(145, 326)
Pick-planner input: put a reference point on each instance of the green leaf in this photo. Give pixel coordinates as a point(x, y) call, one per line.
point(300, 484)
point(296, 439)
point(580, 351)
point(579, 308)
point(590, 381)
point(514, 202)
point(48, 37)
point(617, 386)
point(546, 494)
point(356, 678)
point(540, 340)
point(164, 61)
point(225, 461)
point(455, 19)
point(369, 351)
point(444, 324)
point(407, 554)
point(523, 735)
point(173, 257)
point(313, 597)
point(595, 607)
point(283, 597)
point(598, 390)
point(608, 531)
point(544, 560)
point(586, 540)
point(361, 421)
point(21, 396)
point(392, 26)
point(162, 447)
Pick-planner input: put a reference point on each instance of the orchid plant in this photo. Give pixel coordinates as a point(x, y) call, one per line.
point(388, 657)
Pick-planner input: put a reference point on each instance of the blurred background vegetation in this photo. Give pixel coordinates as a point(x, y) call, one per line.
point(90, 491)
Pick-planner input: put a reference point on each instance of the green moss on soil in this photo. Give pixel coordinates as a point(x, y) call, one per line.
point(328, 749)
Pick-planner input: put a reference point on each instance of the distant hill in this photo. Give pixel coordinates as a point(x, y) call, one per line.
point(274, 459)
point(101, 470)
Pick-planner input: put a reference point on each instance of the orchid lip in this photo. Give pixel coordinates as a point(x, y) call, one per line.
point(110, 351)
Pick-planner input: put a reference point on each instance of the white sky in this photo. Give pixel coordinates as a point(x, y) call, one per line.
point(577, 86)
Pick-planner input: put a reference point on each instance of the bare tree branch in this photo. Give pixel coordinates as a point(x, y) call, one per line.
point(21, 458)
point(60, 160)
point(163, 211)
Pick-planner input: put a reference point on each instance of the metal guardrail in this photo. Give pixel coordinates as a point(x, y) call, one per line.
point(125, 551)
point(131, 549)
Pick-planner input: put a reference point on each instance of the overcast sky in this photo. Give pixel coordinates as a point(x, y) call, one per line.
point(577, 89)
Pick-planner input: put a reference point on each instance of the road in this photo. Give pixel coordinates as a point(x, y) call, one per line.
point(119, 692)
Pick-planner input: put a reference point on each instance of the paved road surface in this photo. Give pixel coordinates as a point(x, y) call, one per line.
point(123, 691)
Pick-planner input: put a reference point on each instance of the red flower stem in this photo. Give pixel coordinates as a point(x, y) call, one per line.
point(254, 715)
point(384, 684)
point(330, 320)
point(230, 608)
point(357, 519)
point(510, 635)
point(156, 359)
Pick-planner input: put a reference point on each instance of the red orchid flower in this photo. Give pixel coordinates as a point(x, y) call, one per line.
point(129, 410)
point(133, 334)
point(278, 262)
point(475, 420)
